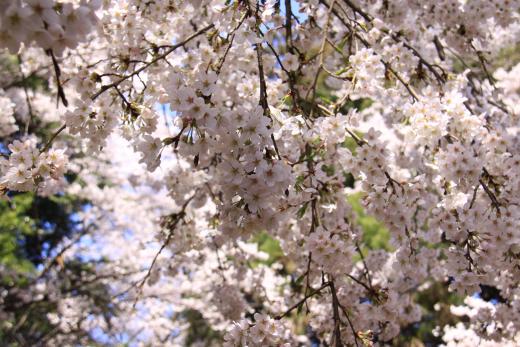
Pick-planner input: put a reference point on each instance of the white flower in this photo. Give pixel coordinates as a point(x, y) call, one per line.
point(206, 83)
point(290, 62)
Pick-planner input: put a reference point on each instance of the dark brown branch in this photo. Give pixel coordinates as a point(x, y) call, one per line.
point(53, 137)
point(231, 38)
point(288, 26)
point(369, 290)
point(403, 82)
point(439, 47)
point(57, 71)
point(302, 301)
point(263, 93)
point(440, 78)
point(263, 88)
point(295, 94)
point(351, 325)
point(491, 195)
point(367, 271)
point(359, 11)
point(335, 312)
point(474, 196)
point(482, 60)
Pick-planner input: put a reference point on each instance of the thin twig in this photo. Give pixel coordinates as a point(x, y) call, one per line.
point(356, 337)
point(27, 99)
point(356, 9)
point(474, 196)
point(302, 301)
point(53, 137)
point(401, 79)
point(231, 38)
point(57, 72)
point(263, 93)
point(492, 197)
point(322, 52)
point(288, 26)
point(335, 312)
point(179, 216)
point(54, 260)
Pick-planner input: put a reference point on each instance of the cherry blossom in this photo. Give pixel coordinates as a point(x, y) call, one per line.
point(193, 130)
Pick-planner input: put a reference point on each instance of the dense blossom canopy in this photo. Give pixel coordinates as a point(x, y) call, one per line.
point(190, 130)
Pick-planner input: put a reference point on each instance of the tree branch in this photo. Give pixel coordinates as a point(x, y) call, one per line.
point(57, 71)
point(302, 301)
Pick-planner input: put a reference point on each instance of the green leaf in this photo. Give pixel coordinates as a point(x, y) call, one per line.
point(375, 234)
point(301, 211)
point(271, 246)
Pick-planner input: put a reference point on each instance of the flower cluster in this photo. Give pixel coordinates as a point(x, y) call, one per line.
point(341, 164)
point(460, 165)
point(229, 301)
point(329, 251)
point(27, 169)
point(50, 24)
point(7, 122)
point(265, 331)
point(92, 123)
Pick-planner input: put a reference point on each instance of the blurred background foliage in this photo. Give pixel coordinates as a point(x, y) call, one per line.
point(31, 227)
point(32, 231)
